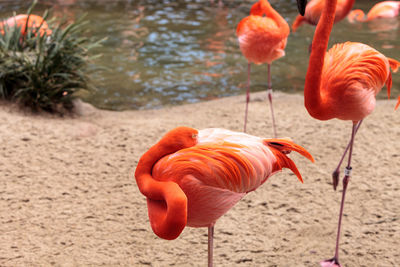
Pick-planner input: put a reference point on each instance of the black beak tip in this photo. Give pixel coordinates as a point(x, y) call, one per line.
point(301, 5)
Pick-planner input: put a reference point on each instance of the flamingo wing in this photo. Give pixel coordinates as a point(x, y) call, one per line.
point(353, 74)
point(385, 9)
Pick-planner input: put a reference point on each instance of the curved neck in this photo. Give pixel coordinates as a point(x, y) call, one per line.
point(166, 202)
point(149, 158)
point(356, 15)
point(312, 87)
point(146, 183)
point(273, 14)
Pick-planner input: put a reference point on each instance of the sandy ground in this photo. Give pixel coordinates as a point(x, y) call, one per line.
point(68, 195)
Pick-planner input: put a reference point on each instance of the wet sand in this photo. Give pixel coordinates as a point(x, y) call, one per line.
point(68, 195)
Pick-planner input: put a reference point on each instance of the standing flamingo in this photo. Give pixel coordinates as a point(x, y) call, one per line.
point(314, 9)
point(398, 103)
point(24, 22)
point(385, 9)
point(342, 83)
point(262, 40)
point(193, 177)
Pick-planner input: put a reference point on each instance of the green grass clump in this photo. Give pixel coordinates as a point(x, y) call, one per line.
point(46, 72)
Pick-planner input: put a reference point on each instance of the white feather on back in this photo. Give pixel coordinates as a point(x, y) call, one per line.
point(259, 155)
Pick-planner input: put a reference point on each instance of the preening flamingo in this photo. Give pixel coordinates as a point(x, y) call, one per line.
point(314, 9)
point(342, 83)
point(262, 39)
point(192, 177)
point(385, 9)
point(22, 22)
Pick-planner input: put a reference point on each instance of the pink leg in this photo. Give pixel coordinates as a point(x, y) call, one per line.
point(336, 172)
point(247, 96)
point(269, 91)
point(210, 245)
point(334, 262)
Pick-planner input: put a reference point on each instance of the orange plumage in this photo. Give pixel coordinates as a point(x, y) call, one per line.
point(314, 10)
point(352, 75)
point(208, 176)
point(385, 9)
point(262, 39)
point(22, 22)
point(343, 82)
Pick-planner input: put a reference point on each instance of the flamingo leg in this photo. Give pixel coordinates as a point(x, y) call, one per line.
point(336, 172)
point(247, 96)
point(269, 92)
point(334, 262)
point(210, 245)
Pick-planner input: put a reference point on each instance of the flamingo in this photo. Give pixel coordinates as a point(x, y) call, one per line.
point(192, 177)
point(313, 12)
point(385, 9)
point(24, 22)
point(342, 83)
point(262, 40)
point(398, 103)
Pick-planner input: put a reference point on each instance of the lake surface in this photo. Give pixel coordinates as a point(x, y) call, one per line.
point(161, 52)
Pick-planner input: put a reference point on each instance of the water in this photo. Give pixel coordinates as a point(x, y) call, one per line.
point(161, 52)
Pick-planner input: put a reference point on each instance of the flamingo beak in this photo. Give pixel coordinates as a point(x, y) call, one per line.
point(301, 5)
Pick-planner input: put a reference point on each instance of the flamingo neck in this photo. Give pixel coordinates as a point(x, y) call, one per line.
point(274, 15)
point(356, 15)
point(169, 144)
point(148, 160)
point(312, 89)
point(143, 174)
point(166, 202)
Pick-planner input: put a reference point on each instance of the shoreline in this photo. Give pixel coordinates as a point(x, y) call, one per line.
point(68, 194)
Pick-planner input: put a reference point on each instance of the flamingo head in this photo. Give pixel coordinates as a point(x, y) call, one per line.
point(173, 141)
point(179, 138)
point(301, 5)
point(280, 148)
point(256, 9)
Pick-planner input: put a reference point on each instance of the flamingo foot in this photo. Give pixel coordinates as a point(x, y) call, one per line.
point(335, 179)
point(330, 263)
